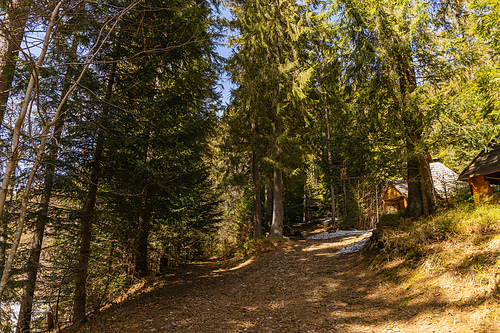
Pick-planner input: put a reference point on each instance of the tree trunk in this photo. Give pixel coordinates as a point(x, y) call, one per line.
point(257, 210)
point(24, 317)
point(141, 255)
point(304, 202)
point(277, 221)
point(427, 185)
point(376, 206)
point(421, 199)
point(268, 203)
point(12, 158)
point(80, 296)
point(415, 206)
point(346, 216)
point(144, 225)
point(11, 35)
point(333, 223)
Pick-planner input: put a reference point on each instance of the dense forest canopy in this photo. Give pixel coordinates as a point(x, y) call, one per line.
point(119, 160)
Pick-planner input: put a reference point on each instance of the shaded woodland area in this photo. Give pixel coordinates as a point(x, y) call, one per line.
point(120, 161)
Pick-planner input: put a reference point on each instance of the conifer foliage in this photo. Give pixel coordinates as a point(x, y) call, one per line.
point(119, 160)
point(124, 182)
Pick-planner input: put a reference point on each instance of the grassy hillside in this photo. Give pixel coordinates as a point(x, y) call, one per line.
point(451, 259)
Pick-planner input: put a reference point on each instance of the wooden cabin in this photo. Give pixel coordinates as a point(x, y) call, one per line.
point(445, 183)
point(482, 174)
point(395, 196)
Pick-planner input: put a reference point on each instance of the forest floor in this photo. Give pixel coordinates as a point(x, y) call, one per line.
point(301, 286)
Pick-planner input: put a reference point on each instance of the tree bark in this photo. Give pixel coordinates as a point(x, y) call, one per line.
point(12, 158)
point(80, 296)
point(420, 189)
point(141, 255)
point(278, 214)
point(304, 202)
point(421, 200)
point(427, 185)
point(268, 203)
point(257, 209)
point(24, 317)
point(11, 34)
point(415, 206)
point(277, 222)
point(332, 190)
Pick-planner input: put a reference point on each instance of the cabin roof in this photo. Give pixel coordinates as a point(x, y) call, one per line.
point(486, 163)
point(400, 185)
point(443, 178)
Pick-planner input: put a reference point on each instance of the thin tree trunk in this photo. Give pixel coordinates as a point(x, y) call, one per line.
point(278, 214)
point(12, 159)
point(277, 222)
point(376, 204)
point(141, 257)
point(346, 214)
point(358, 204)
point(142, 244)
point(332, 190)
point(24, 317)
point(25, 310)
point(268, 203)
point(257, 210)
point(80, 296)
point(304, 202)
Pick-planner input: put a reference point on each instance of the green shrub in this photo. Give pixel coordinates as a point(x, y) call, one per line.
point(391, 220)
point(257, 245)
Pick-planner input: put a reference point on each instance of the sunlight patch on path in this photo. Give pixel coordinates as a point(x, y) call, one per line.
point(354, 247)
point(341, 233)
point(351, 247)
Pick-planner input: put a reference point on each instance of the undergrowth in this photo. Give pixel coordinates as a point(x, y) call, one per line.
point(457, 248)
point(397, 236)
point(255, 246)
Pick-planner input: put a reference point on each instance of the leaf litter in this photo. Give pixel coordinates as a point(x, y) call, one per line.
point(305, 285)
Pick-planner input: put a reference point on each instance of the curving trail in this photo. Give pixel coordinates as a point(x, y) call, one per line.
point(304, 286)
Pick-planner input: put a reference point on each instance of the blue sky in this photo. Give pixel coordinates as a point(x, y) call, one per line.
point(224, 51)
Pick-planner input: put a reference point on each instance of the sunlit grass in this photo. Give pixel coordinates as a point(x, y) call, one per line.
point(456, 251)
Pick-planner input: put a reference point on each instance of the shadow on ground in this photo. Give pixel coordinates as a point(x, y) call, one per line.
point(302, 287)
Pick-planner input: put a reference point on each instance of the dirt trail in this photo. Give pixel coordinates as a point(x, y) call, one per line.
point(301, 287)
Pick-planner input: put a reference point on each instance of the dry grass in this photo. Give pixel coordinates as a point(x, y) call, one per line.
point(451, 259)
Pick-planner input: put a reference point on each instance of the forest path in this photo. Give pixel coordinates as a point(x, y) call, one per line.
point(303, 286)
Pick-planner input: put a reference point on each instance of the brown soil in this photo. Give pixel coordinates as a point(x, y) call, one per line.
point(302, 286)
